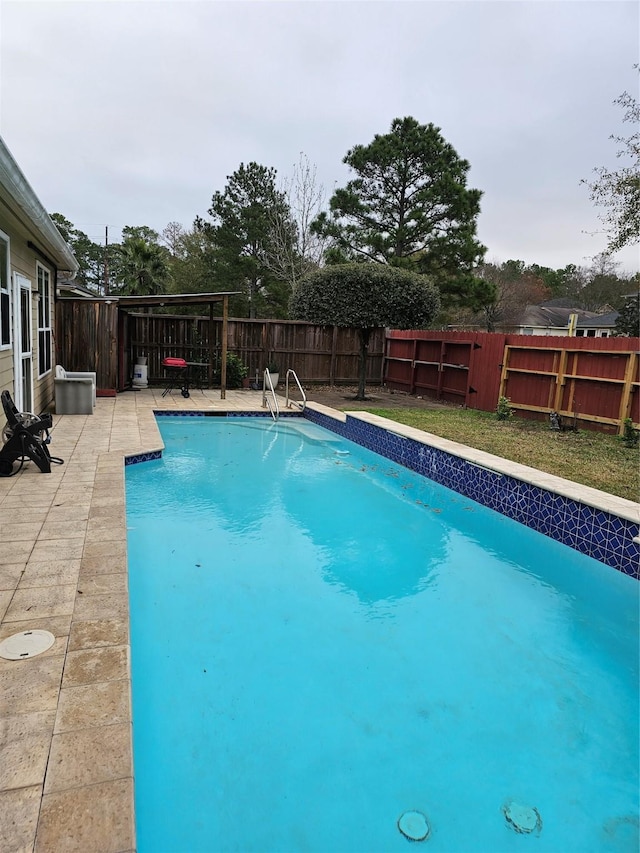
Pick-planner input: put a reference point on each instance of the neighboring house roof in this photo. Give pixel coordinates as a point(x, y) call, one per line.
point(27, 207)
point(68, 287)
point(600, 321)
point(551, 315)
point(559, 302)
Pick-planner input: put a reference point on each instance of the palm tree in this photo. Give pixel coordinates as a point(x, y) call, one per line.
point(144, 268)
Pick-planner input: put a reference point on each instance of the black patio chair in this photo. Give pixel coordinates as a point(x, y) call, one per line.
point(25, 438)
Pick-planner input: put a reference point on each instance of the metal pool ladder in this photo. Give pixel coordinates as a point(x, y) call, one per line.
point(269, 396)
point(299, 403)
point(270, 400)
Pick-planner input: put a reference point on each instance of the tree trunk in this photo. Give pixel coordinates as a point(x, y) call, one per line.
point(253, 288)
point(364, 335)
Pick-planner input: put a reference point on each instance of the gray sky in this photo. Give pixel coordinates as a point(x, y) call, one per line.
point(135, 113)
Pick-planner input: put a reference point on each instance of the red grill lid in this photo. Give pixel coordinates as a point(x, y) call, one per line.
point(174, 362)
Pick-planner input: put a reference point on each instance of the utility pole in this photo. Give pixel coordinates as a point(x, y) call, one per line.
point(106, 260)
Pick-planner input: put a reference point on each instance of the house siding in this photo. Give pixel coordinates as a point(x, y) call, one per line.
point(6, 369)
point(23, 260)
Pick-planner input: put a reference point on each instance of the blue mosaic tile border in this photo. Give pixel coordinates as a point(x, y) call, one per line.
point(143, 457)
point(265, 414)
point(598, 534)
point(173, 413)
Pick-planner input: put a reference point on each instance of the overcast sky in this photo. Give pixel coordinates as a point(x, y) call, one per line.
point(135, 113)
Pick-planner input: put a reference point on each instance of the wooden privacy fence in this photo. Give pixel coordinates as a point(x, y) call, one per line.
point(86, 338)
point(600, 387)
point(97, 335)
point(594, 380)
point(318, 354)
point(591, 380)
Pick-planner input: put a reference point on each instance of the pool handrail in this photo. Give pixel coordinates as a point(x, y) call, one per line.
point(288, 402)
point(267, 385)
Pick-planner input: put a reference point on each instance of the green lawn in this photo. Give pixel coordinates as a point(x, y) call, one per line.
point(591, 458)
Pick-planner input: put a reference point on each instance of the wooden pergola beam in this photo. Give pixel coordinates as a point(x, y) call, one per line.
point(162, 300)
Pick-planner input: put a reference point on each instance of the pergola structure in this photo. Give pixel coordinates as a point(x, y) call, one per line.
point(125, 303)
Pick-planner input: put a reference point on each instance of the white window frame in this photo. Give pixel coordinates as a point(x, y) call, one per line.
point(5, 296)
point(45, 332)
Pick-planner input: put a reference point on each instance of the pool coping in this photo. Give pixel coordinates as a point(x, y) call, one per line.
point(568, 488)
point(595, 523)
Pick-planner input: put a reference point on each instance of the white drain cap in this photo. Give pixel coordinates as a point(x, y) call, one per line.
point(413, 825)
point(26, 644)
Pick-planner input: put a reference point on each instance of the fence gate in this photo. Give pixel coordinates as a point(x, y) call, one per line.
point(438, 368)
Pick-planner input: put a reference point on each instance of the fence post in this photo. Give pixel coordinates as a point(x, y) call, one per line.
point(556, 404)
point(332, 363)
point(504, 373)
point(414, 367)
point(265, 346)
point(625, 400)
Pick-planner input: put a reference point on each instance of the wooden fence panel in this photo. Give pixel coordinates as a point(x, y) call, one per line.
point(487, 367)
point(93, 335)
point(595, 386)
point(594, 380)
point(87, 339)
point(321, 354)
point(462, 367)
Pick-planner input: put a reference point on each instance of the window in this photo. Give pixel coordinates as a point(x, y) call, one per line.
point(579, 333)
point(44, 320)
point(591, 333)
point(5, 297)
point(604, 334)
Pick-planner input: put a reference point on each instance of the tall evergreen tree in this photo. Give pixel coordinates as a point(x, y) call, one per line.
point(241, 234)
point(408, 206)
point(91, 256)
point(140, 232)
point(191, 261)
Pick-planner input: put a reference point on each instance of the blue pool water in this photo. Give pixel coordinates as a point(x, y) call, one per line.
point(323, 640)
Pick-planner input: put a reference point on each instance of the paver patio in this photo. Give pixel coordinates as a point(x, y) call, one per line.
point(66, 772)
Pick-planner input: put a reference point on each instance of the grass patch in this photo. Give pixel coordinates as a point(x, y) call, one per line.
point(591, 458)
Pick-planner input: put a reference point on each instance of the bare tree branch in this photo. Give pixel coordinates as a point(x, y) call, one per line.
point(294, 249)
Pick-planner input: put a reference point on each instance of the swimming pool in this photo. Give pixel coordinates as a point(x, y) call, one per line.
point(323, 641)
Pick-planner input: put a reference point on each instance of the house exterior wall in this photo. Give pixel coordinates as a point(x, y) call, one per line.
point(557, 331)
point(592, 332)
point(6, 352)
point(545, 331)
point(24, 261)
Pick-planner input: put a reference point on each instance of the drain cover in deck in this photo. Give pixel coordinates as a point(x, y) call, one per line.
point(26, 644)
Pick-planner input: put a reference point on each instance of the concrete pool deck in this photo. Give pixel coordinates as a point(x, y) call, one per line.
point(66, 770)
